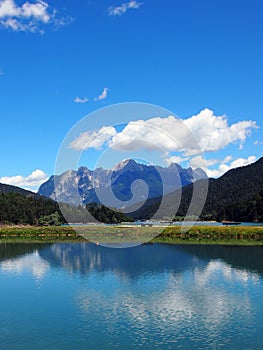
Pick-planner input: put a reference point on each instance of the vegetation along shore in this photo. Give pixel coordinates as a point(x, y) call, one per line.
point(237, 235)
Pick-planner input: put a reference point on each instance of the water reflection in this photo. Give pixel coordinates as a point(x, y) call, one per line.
point(152, 296)
point(242, 257)
point(32, 263)
point(21, 258)
point(130, 262)
point(190, 301)
point(84, 258)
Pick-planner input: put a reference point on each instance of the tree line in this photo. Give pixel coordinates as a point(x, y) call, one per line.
point(16, 208)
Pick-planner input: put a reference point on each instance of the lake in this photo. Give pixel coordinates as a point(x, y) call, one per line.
point(155, 296)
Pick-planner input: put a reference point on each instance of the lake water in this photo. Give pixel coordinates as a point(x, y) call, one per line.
point(83, 296)
point(175, 223)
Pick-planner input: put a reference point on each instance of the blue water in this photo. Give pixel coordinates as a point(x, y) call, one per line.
point(83, 296)
point(175, 223)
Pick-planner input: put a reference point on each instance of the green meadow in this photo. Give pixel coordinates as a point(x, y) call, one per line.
point(237, 235)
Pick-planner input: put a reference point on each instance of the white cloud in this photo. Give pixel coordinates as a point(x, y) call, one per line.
point(39, 10)
point(189, 138)
point(81, 100)
point(151, 134)
point(103, 95)
point(93, 139)
point(227, 159)
point(243, 161)
point(223, 167)
point(8, 8)
point(27, 16)
point(16, 25)
point(201, 162)
point(214, 133)
point(175, 159)
point(121, 9)
point(204, 132)
point(35, 179)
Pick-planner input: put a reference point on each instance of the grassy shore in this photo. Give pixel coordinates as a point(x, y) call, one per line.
point(45, 234)
point(237, 235)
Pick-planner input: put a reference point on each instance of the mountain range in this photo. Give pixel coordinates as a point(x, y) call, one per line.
point(126, 184)
point(237, 195)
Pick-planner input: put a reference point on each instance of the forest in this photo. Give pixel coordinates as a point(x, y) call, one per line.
point(17, 209)
point(237, 195)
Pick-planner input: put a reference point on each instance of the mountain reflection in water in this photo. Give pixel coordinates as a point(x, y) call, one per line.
point(84, 258)
point(79, 295)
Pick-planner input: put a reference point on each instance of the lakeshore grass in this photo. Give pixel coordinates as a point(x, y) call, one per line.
point(35, 234)
point(234, 235)
point(238, 235)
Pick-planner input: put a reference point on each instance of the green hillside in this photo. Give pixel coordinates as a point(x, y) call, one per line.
point(237, 195)
point(9, 189)
point(18, 206)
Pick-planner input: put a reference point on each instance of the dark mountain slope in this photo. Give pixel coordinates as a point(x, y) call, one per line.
point(8, 188)
point(237, 195)
point(19, 206)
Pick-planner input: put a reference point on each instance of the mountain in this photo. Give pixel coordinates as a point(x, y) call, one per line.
point(19, 206)
point(114, 187)
point(237, 195)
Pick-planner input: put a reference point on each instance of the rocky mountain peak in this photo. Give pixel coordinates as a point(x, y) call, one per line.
point(81, 186)
point(123, 164)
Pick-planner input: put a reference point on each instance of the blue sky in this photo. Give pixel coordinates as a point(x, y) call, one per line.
point(61, 61)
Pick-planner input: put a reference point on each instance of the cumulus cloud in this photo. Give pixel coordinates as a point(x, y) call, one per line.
point(35, 179)
point(151, 134)
point(81, 100)
point(201, 162)
point(27, 16)
point(174, 159)
point(94, 139)
point(203, 132)
point(178, 140)
point(121, 9)
point(39, 10)
point(224, 165)
point(214, 133)
point(103, 95)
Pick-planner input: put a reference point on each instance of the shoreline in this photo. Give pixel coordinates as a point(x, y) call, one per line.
point(223, 235)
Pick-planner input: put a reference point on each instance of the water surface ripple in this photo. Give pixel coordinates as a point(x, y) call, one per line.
point(83, 296)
